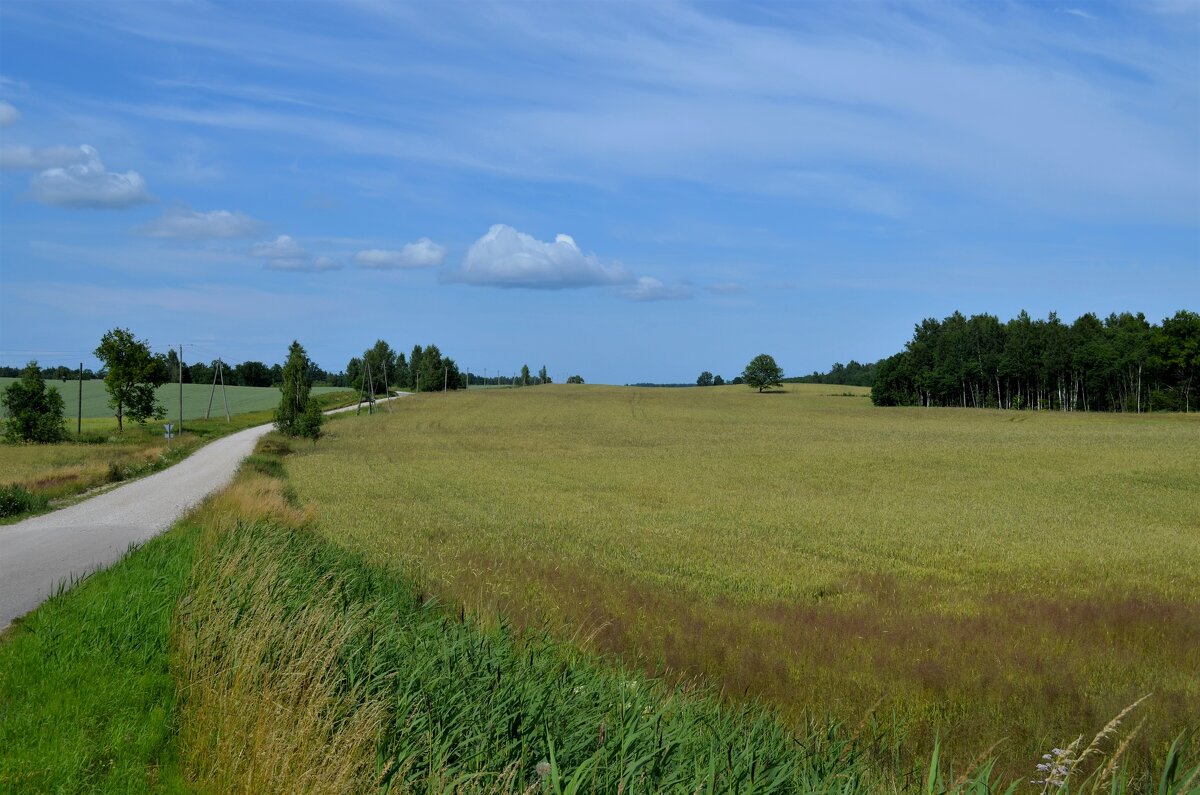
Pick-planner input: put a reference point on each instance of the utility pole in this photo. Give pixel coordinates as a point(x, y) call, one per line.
point(219, 372)
point(445, 379)
point(181, 389)
point(368, 390)
point(79, 413)
point(387, 390)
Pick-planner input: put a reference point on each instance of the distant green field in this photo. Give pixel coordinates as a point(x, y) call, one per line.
point(242, 399)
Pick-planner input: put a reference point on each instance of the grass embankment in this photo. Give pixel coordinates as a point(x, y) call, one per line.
point(86, 689)
point(986, 574)
point(240, 652)
point(101, 456)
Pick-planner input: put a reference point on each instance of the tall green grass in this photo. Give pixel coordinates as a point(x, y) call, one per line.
point(86, 689)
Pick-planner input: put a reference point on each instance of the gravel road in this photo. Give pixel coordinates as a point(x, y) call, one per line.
point(43, 551)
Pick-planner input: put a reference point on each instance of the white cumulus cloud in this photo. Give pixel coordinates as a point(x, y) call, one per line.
point(422, 254)
point(188, 224)
point(87, 184)
point(505, 257)
point(647, 288)
point(8, 114)
point(283, 247)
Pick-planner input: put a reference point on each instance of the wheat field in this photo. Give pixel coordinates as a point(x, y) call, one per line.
point(975, 574)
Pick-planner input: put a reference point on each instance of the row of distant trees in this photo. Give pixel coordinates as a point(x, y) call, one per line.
point(1120, 363)
point(424, 369)
point(249, 373)
point(851, 374)
point(34, 410)
point(708, 379)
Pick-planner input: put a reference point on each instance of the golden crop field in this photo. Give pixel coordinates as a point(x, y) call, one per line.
point(983, 574)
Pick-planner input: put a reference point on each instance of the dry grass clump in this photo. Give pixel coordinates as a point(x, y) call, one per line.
point(251, 499)
point(263, 704)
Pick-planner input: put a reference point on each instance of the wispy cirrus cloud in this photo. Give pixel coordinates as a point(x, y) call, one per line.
point(1078, 12)
point(303, 264)
point(188, 224)
point(647, 288)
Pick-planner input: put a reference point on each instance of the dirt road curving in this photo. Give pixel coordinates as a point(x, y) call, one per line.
point(43, 551)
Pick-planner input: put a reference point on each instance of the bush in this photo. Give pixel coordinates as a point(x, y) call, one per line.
point(15, 500)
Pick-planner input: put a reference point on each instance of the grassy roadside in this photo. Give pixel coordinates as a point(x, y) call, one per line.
point(242, 652)
point(53, 475)
point(86, 690)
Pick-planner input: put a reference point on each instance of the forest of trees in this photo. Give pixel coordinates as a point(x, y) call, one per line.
point(1120, 363)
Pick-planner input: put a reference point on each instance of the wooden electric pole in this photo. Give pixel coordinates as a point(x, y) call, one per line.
point(219, 372)
point(79, 413)
point(368, 390)
point(181, 389)
point(387, 389)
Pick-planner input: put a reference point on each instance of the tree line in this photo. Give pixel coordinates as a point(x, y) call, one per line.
point(1120, 363)
point(850, 374)
point(425, 369)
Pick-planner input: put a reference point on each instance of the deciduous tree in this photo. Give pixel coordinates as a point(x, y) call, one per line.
point(763, 373)
point(292, 415)
point(132, 373)
point(34, 411)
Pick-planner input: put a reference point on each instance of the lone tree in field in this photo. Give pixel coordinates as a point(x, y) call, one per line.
point(35, 412)
point(705, 379)
point(132, 375)
point(763, 373)
point(297, 415)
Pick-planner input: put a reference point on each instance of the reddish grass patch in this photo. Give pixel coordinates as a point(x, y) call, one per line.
point(1036, 669)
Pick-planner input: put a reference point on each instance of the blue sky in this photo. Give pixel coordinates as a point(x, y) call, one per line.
point(627, 191)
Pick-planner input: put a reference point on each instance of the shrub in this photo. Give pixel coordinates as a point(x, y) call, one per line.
point(35, 413)
point(15, 500)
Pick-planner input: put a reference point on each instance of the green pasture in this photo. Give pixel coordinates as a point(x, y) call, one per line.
point(242, 399)
point(984, 574)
